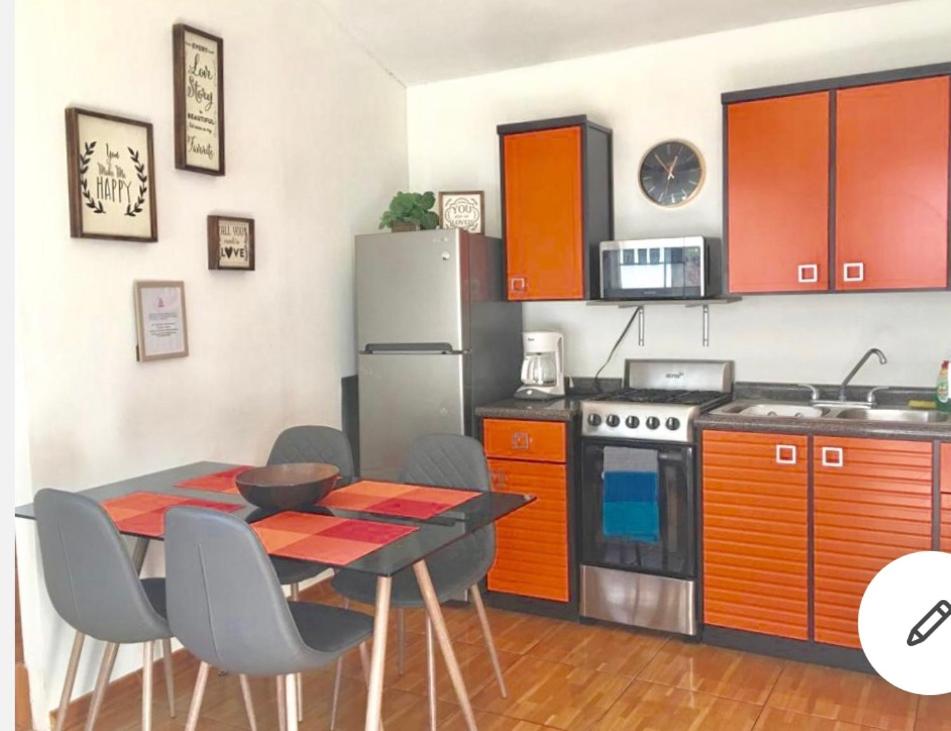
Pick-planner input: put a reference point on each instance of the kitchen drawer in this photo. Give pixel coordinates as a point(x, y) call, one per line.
point(945, 472)
point(535, 441)
point(946, 522)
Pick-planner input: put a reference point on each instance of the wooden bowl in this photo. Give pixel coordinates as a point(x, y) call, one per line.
point(287, 486)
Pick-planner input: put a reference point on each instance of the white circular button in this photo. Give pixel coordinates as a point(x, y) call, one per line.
point(905, 622)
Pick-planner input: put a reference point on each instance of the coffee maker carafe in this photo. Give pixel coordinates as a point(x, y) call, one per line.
point(543, 367)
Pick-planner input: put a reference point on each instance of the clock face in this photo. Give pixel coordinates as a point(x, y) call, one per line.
point(671, 173)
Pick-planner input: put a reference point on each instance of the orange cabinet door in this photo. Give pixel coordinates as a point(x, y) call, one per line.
point(755, 532)
point(542, 441)
point(891, 217)
point(945, 477)
point(872, 503)
point(778, 194)
point(531, 557)
point(544, 245)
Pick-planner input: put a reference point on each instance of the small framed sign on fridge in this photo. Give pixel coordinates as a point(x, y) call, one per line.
point(160, 324)
point(230, 243)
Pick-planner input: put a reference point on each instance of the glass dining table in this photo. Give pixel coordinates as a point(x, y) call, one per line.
point(408, 552)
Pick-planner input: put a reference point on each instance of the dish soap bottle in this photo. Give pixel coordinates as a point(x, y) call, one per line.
point(943, 396)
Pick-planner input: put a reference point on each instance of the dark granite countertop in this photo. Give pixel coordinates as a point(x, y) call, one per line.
point(560, 409)
point(828, 425)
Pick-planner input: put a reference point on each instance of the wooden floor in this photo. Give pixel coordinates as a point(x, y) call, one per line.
point(564, 676)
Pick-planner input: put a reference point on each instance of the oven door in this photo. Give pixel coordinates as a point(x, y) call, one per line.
point(638, 507)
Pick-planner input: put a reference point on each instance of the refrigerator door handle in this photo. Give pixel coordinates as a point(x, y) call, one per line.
point(408, 348)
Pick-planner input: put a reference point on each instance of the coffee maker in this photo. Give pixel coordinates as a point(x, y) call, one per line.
point(543, 367)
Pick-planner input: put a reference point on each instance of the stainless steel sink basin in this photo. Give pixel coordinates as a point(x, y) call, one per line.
point(906, 415)
point(795, 410)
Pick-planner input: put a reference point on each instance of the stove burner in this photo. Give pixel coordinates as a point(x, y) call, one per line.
point(660, 396)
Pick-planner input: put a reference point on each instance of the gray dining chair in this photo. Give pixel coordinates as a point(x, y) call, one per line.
point(308, 444)
point(96, 589)
point(444, 460)
point(225, 606)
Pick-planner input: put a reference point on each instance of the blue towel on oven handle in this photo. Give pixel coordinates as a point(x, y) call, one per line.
point(630, 508)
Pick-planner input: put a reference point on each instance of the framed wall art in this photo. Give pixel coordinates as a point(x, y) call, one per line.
point(462, 209)
point(111, 177)
point(160, 325)
point(230, 243)
point(198, 69)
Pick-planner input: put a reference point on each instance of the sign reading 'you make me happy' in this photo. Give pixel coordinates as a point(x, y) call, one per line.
point(199, 100)
point(111, 177)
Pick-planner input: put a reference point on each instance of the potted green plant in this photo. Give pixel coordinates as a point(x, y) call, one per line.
point(410, 212)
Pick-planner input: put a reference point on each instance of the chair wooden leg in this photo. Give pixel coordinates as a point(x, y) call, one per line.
point(248, 701)
point(295, 596)
point(281, 704)
point(169, 675)
point(69, 681)
point(147, 650)
point(194, 710)
point(431, 674)
point(445, 644)
point(102, 680)
point(400, 640)
point(487, 635)
point(365, 663)
point(338, 676)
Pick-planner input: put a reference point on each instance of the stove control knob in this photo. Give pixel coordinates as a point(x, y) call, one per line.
point(613, 420)
point(632, 422)
point(653, 422)
point(673, 423)
point(594, 419)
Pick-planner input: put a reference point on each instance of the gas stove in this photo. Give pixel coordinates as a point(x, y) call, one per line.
point(659, 401)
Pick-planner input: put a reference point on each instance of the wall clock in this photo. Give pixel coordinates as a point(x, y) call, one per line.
point(671, 173)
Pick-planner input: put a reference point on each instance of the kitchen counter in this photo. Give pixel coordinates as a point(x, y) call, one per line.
point(560, 409)
point(825, 425)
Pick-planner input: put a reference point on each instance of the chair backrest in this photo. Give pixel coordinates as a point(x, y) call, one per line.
point(314, 444)
point(89, 574)
point(452, 460)
point(224, 600)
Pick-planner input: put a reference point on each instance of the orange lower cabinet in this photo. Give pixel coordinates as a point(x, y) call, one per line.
point(755, 532)
point(532, 543)
point(872, 503)
point(945, 477)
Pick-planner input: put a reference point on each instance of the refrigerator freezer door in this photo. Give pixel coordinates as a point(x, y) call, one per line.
point(410, 290)
point(403, 397)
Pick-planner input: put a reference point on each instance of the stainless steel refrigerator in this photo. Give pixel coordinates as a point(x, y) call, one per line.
point(435, 338)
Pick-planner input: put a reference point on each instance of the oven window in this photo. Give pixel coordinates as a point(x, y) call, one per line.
point(638, 508)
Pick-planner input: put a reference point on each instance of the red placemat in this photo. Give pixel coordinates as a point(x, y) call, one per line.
point(143, 513)
point(215, 482)
point(399, 500)
point(325, 539)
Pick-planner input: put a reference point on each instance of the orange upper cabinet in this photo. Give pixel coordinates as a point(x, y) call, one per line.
point(891, 216)
point(556, 206)
point(777, 194)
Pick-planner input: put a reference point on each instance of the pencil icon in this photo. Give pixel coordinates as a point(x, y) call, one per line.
point(929, 623)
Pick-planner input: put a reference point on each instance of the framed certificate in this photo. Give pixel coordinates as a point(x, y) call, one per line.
point(199, 70)
point(161, 328)
point(230, 243)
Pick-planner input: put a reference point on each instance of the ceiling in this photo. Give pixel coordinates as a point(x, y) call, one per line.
point(428, 40)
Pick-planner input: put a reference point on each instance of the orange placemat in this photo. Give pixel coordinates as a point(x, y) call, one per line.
point(325, 539)
point(396, 499)
point(215, 482)
point(143, 513)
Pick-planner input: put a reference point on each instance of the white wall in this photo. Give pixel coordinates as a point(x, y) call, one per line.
point(316, 145)
point(673, 90)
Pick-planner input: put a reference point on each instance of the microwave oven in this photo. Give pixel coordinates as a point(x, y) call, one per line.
point(687, 267)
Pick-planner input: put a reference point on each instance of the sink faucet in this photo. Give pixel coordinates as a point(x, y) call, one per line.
point(869, 353)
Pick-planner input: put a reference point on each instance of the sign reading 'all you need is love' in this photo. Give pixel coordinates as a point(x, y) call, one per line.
point(199, 100)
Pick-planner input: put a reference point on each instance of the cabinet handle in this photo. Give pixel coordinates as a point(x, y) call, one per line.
point(790, 450)
point(808, 273)
point(858, 267)
point(521, 440)
point(833, 457)
point(498, 478)
point(517, 284)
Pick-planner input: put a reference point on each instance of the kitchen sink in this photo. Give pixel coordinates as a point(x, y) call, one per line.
point(795, 410)
point(908, 415)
